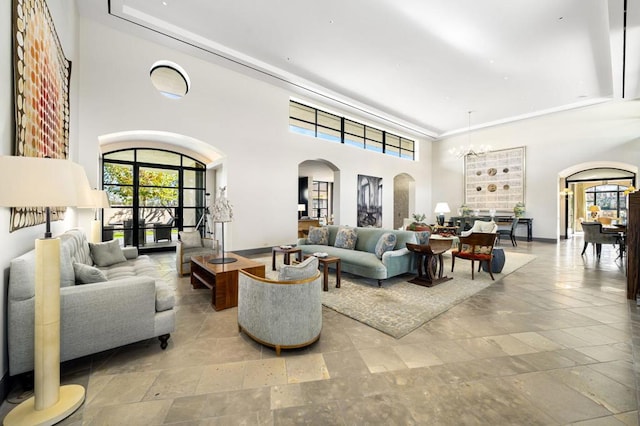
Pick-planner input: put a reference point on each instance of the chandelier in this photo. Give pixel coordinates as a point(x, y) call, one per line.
point(470, 150)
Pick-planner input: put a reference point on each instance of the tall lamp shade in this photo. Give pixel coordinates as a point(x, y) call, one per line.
point(441, 209)
point(99, 200)
point(222, 212)
point(45, 182)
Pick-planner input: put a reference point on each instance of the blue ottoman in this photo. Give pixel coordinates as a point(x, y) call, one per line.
point(498, 261)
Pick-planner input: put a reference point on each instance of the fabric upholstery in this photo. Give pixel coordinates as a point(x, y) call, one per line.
point(190, 239)
point(183, 255)
point(318, 235)
point(301, 271)
point(94, 317)
point(278, 313)
point(362, 260)
point(386, 242)
point(106, 254)
point(346, 238)
point(86, 274)
point(481, 226)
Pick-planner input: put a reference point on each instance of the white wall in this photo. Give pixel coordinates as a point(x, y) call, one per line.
point(603, 133)
point(244, 118)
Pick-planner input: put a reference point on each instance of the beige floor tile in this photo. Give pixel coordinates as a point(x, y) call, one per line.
point(417, 355)
point(125, 388)
point(266, 372)
point(382, 359)
point(306, 368)
point(221, 378)
point(511, 345)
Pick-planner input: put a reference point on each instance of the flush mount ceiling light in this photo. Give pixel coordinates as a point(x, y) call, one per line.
point(170, 79)
point(470, 150)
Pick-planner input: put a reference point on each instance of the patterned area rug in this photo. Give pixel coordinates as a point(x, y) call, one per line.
point(399, 307)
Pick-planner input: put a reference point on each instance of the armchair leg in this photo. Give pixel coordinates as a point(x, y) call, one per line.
point(490, 268)
point(585, 248)
point(164, 340)
point(473, 267)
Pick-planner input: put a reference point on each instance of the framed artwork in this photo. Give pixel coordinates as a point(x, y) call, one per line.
point(369, 201)
point(495, 180)
point(41, 76)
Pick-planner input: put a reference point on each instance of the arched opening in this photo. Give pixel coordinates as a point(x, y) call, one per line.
point(593, 191)
point(158, 185)
point(403, 199)
point(318, 189)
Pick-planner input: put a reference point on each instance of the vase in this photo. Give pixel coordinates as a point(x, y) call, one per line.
point(497, 263)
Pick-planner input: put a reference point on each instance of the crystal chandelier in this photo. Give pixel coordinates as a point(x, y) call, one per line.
point(470, 150)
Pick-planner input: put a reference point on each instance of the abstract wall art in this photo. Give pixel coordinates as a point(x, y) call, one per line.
point(41, 95)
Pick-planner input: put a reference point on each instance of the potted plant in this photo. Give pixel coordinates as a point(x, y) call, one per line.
point(518, 210)
point(466, 210)
point(418, 223)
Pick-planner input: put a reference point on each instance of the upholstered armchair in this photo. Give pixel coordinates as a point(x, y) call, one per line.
point(477, 246)
point(284, 313)
point(593, 234)
point(481, 226)
point(189, 244)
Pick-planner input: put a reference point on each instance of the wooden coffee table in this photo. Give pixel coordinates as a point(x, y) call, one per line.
point(287, 255)
point(433, 262)
point(325, 262)
point(222, 278)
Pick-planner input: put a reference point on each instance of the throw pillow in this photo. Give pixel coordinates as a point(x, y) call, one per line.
point(301, 271)
point(423, 237)
point(86, 274)
point(318, 235)
point(346, 238)
point(106, 254)
point(190, 239)
point(386, 242)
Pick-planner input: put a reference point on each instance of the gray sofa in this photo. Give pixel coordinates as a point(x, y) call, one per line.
point(363, 260)
point(132, 305)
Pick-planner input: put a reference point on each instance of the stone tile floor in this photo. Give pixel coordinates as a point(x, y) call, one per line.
point(550, 344)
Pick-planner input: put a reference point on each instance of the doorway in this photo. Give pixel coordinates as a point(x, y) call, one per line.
point(153, 194)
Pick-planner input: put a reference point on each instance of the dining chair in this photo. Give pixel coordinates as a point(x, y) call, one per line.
point(593, 234)
point(509, 231)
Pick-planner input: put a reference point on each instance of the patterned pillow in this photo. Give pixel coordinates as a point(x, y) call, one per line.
point(386, 242)
point(318, 235)
point(190, 239)
point(301, 271)
point(346, 238)
point(466, 248)
point(423, 237)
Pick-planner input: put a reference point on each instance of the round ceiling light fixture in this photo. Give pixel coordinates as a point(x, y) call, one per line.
point(170, 79)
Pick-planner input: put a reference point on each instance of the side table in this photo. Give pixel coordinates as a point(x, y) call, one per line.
point(287, 255)
point(325, 262)
point(433, 261)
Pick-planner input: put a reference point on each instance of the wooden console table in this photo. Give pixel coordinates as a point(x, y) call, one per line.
point(222, 278)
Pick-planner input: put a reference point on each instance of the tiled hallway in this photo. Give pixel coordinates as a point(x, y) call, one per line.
point(549, 344)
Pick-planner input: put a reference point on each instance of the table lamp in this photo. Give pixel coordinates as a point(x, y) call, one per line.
point(38, 182)
point(441, 209)
point(301, 208)
point(223, 213)
point(594, 211)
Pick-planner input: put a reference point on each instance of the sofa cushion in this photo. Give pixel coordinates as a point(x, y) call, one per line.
point(346, 238)
point(86, 274)
point(301, 271)
point(318, 235)
point(386, 242)
point(106, 254)
point(190, 239)
point(165, 299)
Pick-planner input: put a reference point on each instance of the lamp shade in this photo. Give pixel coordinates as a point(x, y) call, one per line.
point(594, 209)
point(222, 210)
point(301, 207)
point(442, 208)
point(98, 200)
point(42, 182)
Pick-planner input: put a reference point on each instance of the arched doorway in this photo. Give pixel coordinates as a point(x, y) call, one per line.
point(318, 190)
point(599, 186)
point(403, 198)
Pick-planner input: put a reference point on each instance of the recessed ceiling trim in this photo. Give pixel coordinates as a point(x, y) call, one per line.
point(117, 9)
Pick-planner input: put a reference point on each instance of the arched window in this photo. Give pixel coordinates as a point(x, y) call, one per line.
point(153, 194)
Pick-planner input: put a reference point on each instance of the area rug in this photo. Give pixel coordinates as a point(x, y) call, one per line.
point(399, 307)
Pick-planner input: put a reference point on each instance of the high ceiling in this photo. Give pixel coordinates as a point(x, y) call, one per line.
point(422, 64)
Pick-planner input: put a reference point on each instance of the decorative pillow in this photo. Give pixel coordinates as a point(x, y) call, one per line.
point(106, 254)
point(318, 235)
point(346, 238)
point(86, 274)
point(466, 248)
point(301, 271)
point(386, 242)
point(190, 239)
point(423, 237)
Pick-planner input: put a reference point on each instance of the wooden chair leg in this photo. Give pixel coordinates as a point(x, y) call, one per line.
point(472, 268)
point(490, 269)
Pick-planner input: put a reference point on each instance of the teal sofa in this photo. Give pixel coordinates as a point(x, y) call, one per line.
point(362, 260)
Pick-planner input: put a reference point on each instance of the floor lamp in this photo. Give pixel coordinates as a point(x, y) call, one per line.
point(37, 182)
point(99, 200)
point(223, 213)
